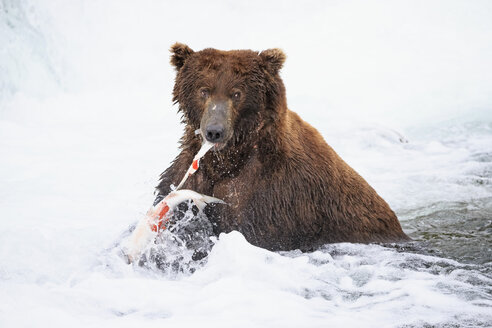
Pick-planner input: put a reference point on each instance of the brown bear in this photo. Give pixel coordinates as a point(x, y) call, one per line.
point(285, 188)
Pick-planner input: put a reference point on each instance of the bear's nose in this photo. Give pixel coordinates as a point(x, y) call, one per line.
point(215, 132)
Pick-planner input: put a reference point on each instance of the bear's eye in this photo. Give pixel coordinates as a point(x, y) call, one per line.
point(204, 92)
point(236, 95)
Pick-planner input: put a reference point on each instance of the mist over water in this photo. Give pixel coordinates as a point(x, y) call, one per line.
point(401, 90)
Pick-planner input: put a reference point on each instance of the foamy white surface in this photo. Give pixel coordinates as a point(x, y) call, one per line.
point(87, 124)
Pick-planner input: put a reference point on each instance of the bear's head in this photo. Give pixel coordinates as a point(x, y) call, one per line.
point(229, 96)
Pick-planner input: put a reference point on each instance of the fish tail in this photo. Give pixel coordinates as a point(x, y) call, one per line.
point(199, 203)
point(204, 200)
point(210, 199)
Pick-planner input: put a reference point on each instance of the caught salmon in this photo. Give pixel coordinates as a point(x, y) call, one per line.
point(158, 215)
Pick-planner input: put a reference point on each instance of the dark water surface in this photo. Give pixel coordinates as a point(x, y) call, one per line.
point(459, 230)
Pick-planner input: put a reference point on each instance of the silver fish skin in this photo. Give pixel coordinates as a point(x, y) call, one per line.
point(143, 234)
point(174, 198)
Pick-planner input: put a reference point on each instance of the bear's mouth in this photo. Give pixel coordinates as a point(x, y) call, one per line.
point(218, 146)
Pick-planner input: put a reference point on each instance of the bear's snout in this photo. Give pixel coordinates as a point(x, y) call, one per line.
point(215, 132)
point(215, 124)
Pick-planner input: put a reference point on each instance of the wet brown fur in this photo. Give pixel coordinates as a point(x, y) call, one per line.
point(286, 188)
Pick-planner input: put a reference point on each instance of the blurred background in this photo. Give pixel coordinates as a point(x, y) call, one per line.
point(381, 61)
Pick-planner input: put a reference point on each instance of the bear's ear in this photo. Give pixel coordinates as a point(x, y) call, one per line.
point(180, 52)
point(274, 59)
